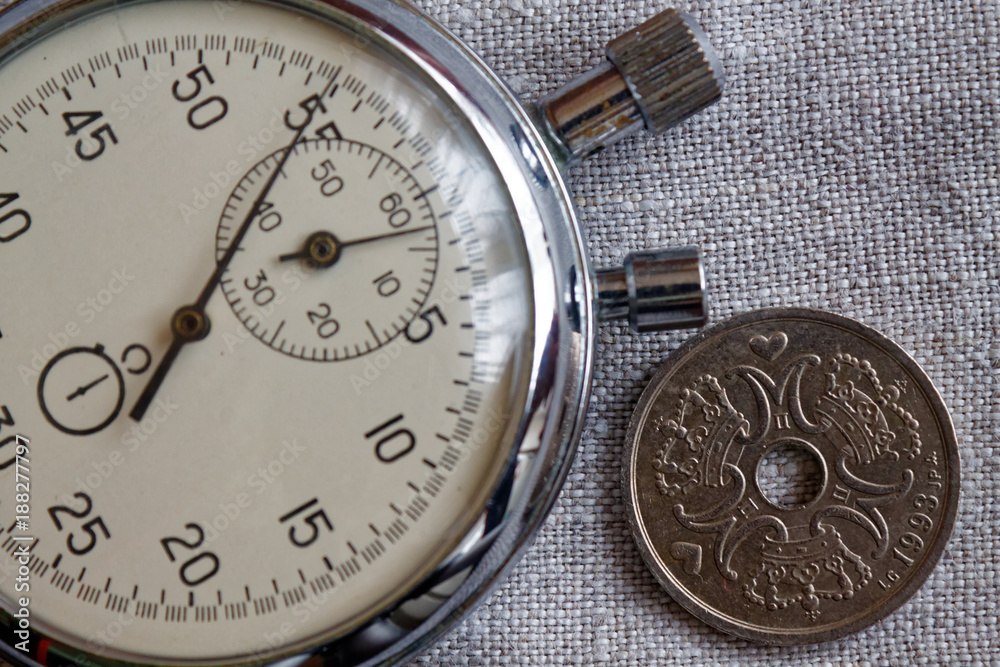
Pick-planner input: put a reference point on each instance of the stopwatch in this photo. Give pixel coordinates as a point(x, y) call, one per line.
point(296, 321)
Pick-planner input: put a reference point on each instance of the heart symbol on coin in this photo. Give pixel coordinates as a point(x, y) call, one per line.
point(769, 348)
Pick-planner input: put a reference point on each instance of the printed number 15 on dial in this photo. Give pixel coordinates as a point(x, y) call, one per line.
point(263, 320)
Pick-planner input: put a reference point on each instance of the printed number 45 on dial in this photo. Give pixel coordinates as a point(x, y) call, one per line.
point(363, 412)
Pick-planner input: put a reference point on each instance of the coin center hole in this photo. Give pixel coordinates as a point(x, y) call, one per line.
point(790, 476)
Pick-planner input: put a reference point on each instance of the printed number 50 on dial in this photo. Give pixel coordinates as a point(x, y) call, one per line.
point(329, 432)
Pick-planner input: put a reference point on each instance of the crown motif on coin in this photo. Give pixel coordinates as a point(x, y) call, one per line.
point(856, 402)
point(805, 571)
point(698, 439)
point(839, 409)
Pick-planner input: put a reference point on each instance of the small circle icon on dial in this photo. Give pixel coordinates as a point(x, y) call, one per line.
point(81, 390)
point(341, 255)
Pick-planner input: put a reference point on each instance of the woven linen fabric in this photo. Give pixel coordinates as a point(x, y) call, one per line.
point(851, 166)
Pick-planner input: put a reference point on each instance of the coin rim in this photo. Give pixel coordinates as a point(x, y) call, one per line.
point(775, 635)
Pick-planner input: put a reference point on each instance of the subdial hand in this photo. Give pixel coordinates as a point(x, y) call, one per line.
point(324, 248)
point(87, 387)
point(190, 323)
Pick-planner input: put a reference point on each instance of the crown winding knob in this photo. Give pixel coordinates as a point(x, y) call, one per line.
point(656, 75)
point(670, 68)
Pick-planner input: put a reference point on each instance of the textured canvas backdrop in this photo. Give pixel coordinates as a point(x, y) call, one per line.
point(851, 166)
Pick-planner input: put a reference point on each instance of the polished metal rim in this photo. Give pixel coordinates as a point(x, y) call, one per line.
point(562, 355)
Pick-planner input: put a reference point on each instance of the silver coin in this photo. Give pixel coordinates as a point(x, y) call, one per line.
point(803, 563)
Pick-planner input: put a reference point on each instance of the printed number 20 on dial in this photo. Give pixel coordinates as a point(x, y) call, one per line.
point(331, 436)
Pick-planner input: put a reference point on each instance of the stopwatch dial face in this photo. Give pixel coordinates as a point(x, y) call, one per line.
point(337, 431)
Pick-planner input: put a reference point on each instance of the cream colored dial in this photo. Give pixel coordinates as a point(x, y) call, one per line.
point(260, 502)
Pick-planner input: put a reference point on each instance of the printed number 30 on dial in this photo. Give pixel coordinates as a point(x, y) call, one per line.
point(239, 476)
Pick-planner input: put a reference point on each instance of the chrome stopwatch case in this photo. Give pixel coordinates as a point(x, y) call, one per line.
point(295, 320)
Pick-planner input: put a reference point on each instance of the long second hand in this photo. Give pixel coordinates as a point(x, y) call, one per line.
point(190, 323)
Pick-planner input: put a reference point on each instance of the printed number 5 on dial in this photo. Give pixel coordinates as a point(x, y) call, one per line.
point(332, 434)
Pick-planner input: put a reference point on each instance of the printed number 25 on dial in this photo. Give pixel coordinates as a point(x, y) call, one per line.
point(266, 386)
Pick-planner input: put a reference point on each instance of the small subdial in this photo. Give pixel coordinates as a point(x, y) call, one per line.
point(341, 255)
point(81, 390)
